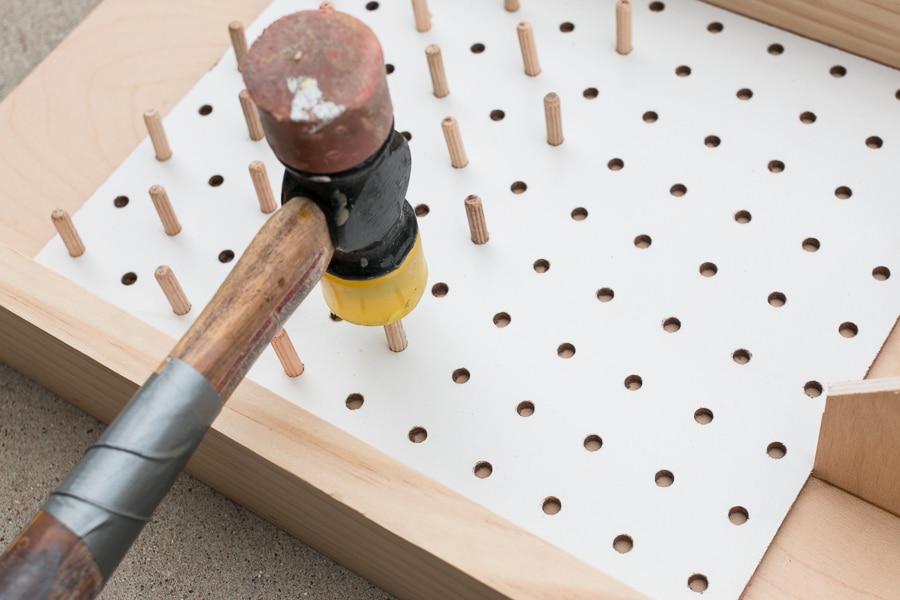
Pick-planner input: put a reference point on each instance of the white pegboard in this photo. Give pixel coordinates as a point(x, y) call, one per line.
point(679, 530)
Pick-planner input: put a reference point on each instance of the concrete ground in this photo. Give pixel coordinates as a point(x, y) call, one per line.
point(199, 544)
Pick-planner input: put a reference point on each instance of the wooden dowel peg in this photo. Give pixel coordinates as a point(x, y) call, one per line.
point(262, 186)
point(529, 52)
point(623, 26)
point(153, 121)
point(238, 41)
point(164, 208)
point(287, 355)
point(511, 5)
point(454, 141)
point(436, 68)
point(251, 116)
point(396, 336)
point(553, 117)
point(475, 214)
point(63, 223)
point(423, 17)
point(172, 289)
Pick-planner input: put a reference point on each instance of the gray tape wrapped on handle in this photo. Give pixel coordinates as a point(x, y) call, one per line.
point(113, 491)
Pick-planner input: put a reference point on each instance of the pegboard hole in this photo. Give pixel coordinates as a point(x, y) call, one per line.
point(708, 269)
point(226, 256)
point(642, 241)
point(712, 141)
point(205, 110)
point(843, 192)
point(371, 6)
point(811, 244)
point(417, 435)
point(634, 382)
point(698, 583)
point(502, 319)
point(683, 70)
point(129, 278)
point(678, 190)
point(354, 401)
point(741, 356)
point(813, 389)
point(579, 214)
point(738, 515)
point(808, 117)
point(664, 478)
point(590, 93)
point(567, 27)
point(551, 505)
point(497, 115)
point(461, 375)
point(744, 94)
point(848, 329)
point(616, 164)
point(703, 416)
point(565, 350)
point(657, 6)
point(541, 265)
point(605, 294)
point(650, 116)
point(120, 201)
point(518, 187)
point(525, 408)
point(477, 48)
point(874, 142)
point(593, 442)
point(623, 544)
point(422, 210)
point(776, 166)
point(216, 180)
point(483, 469)
point(672, 324)
point(743, 217)
point(838, 71)
point(389, 68)
point(715, 27)
point(777, 299)
point(440, 289)
point(775, 49)
point(776, 450)
point(881, 273)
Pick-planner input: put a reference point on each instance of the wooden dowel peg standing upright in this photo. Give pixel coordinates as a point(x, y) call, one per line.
point(251, 116)
point(511, 5)
point(262, 186)
point(475, 215)
point(396, 336)
point(454, 141)
point(423, 17)
point(172, 289)
point(66, 229)
point(238, 41)
point(164, 209)
point(436, 69)
point(529, 52)
point(623, 26)
point(287, 355)
point(153, 121)
point(553, 118)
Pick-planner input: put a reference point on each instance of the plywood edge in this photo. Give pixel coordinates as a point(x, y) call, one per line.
point(869, 28)
point(831, 546)
point(405, 532)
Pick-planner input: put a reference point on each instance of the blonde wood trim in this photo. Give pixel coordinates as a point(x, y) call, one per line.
point(389, 523)
point(870, 28)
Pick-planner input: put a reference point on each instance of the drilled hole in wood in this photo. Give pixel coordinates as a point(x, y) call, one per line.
point(616, 164)
point(497, 115)
point(776, 450)
point(881, 273)
point(565, 350)
point(741, 356)
point(579, 214)
point(541, 265)
point(461, 375)
point(525, 408)
point(417, 435)
point(633, 382)
point(216, 180)
point(678, 190)
point(372, 6)
point(743, 217)
point(642, 241)
point(593, 442)
point(777, 299)
point(808, 117)
point(120, 201)
point(129, 278)
point(744, 94)
point(354, 401)
point(226, 256)
point(605, 294)
point(657, 6)
point(712, 141)
point(843, 192)
point(874, 142)
point(775, 49)
point(811, 244)
point(483, 469)
point(477, 48)
point(813, 389)
point(389, 68)
point(682, 70)
point(664, 478)
point(715, 27)
point(698, 583)
point(703, 416)
point(518, 187)
point(650, 117)
point(848, 329)
point(776, 166)
point(672, 324)
point(551, 505)
point(502, 319)
point(708, 269)
point(590, 93)
point(623, 543)
point(440, 289)
point(205, 110)
point(422, 210)
point(738, 515)
point(567, 27)
point(334, 317)
point(838, 71)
